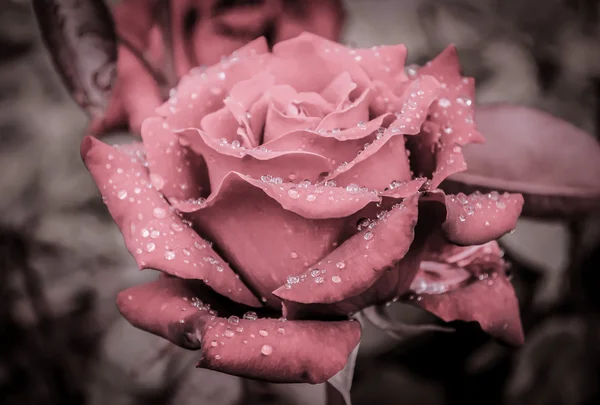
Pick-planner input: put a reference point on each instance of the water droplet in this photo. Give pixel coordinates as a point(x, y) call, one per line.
point(294, 255)
point(145, 233)
point(122, 194)
point(214, 343)
point(293, 279)
point(263, 333)
point(281, 331)
point(501, 204)
point(461, 218)
point(159, 212)
point(266, 350)
point(353, 188)
point(469, 209)
point(336, 279)
point(150, 247)
point(217, 357)
point(239, 329)
point(293, 193)
point(233, 320)
point(157, 181)
point(155, 233)
point(319, 280)
point(250, 315)
point(169, 255)
point(311, 197)
point(444, 102)
point(368, 235)
point(340, 265)
point(228, 333)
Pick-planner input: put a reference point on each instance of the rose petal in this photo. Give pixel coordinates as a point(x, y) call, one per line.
point(174, 171)
point(222, 159)
point(203, 91)
point(378, 165)
point(479, 218)
point(451, 119)
point(358, 263)
point(390, 285)
point(263, 348)
point(356, 113)
point(339, 146)
point(283, 220)
point(155, 236)
point(531, 152)
point(491, 302)
point(310, 63)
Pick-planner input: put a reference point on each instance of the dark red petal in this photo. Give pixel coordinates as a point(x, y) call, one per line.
point(359, 262)
point(263, 348)
point(491, 302)
point(479, 218)
point(278, 229)
point(155, 236)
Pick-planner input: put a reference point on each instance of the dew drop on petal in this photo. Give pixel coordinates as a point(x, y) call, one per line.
point(250, 315)
point(336, 279)
point(233, 320)
point(294, 255)
point(266, 350)
point(263, 333)
point(122, 195)
point(159, 212)
point(169, 255)
point(293, 193)
point(228, 333)
point(150, 247)
point(461, 218)
point(340, 265)
point(368, 235)
point(319, 280)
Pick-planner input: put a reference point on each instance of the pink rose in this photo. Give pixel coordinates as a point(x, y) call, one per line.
point(202, 32)
point(313, 171)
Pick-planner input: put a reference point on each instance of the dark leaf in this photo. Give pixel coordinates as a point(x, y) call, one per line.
point(80, 36)
point(555, 165)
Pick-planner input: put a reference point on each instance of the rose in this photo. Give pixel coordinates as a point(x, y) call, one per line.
point(313, 171)
point(202, 32)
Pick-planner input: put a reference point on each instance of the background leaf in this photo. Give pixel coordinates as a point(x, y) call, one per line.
point(555, 165)
point(80, 36)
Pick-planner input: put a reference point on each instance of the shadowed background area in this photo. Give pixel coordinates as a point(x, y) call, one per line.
point(62, 260)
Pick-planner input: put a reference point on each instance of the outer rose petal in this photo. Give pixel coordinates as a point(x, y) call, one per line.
point(479, 218)
point(451, 123)
point(492, 303)
point(174, 171)
point(155, 236)
point(274, 220)
point(359, 262)
point(268, 349)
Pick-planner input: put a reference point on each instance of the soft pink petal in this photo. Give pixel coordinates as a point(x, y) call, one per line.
point(222, 159)
point(359, 262)
point(174, 171)
point(203, 90)
point(270, 231)
point(310, 63)
point(479, 218)
point(247, 346)
point(356, 113)
point(491, 302)
point(155, 236)
point(452, 117)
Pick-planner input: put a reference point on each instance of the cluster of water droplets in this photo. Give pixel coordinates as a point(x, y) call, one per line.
point(477, 201)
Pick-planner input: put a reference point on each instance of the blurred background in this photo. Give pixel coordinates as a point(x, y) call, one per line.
point(62, 260)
